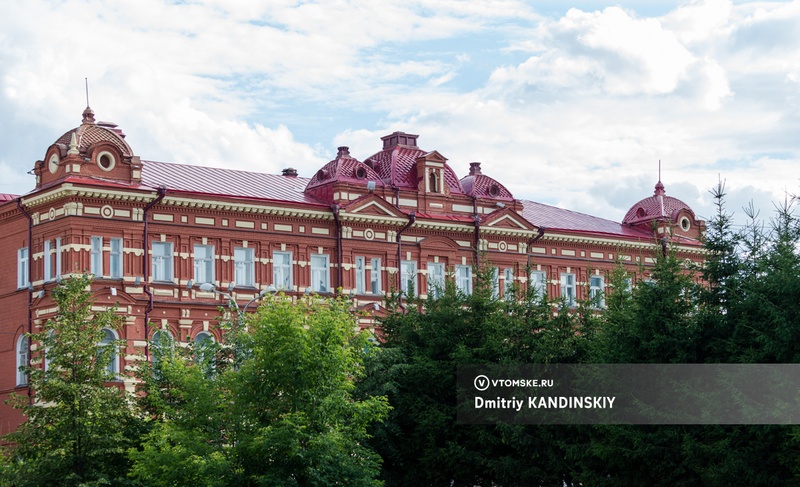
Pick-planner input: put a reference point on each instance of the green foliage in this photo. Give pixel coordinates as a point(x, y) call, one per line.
point(78, 430)
point(285, 414)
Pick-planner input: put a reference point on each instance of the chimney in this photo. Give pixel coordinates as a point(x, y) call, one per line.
point(399, 138)
point(289, 172)
point(474, 168)
point(344, 151)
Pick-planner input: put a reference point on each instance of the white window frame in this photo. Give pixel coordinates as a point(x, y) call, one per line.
point(96, 256)
point(463, 274)
point(244, 266)
point(282, 272)
point(57, 272)
point(23, 279)
point(48, 261)
point(375, 286)
point(508, 283)
point(162, 261)
point(115, 262)
point(361, 274)
point(435, 279)
point(203, 256)
point(320, 273)
point(23, 351)
point(408, 278)
point(111, 336)
point(538, 281)
point(568, 288)
point(495, 283)
point(597, 286)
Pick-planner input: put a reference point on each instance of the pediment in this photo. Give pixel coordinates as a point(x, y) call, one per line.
point(507, 219)
point(439, 243)
point(372, 205)
point(433, 156)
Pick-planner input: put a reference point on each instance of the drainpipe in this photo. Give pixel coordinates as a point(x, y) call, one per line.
point(533, 241)
point(335, 208)
point(162, 191)
point(30, 288)
point(412, 217)
point(477, 230)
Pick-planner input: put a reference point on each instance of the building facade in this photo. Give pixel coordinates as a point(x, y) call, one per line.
point(156, 235)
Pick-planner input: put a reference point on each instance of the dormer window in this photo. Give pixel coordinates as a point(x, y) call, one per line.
point(433, 180)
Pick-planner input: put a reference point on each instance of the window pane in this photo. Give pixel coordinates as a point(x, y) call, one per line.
point(244, 266)
point(96, 260)
point(360, 275)
point(48, 262)
point(508, 283)
point(319, 273)
point(435, 279)
point(282, 270)
point(203, 263)
point(22, 268)
point(162, 261)
point(115, 258)
point(22, 360)
point(409, 277)
point(375, 276)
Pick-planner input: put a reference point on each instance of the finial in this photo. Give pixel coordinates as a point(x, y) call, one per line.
point(659, 169)
point(88, 114)
point(73, 145)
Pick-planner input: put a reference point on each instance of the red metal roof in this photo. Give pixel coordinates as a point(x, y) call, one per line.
point(226, 182)
point(344, 169)
point(554, 218)
point(397, 166)
point(656, 207)
point(7, 197)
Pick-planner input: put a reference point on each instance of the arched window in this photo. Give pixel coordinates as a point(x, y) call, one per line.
point(22, 360)
point(434, 182)
point(109, 337)
point(204, 351)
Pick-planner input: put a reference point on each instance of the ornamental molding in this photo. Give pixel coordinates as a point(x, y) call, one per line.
point(617, 243)
point(246, 208)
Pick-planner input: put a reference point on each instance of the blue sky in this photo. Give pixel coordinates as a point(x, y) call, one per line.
point(567, 103)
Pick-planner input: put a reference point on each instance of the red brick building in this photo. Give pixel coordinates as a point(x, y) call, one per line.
point(401, 219)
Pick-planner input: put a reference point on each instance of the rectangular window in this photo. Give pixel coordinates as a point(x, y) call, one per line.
point(596, 291)
point(282, 270)
point(568, 289)
point(162, 261)
point(375, 276)
point(22, 268)
point(361, 275)
point(96, 257)
point(539, 283)
point(320, 275)
point(203, 263)
point(244, 266)
point(508, 284)
point(464, 279)
point(115, 258)
point(435, 279)
point(48, 261)
point(495, 283)
point(58, 257)
point(409, 277)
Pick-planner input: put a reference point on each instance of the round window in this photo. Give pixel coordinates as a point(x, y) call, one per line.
point(685, 224)
point(360, 173)
point(52, 163)
point(494, 191)
point(105, 160)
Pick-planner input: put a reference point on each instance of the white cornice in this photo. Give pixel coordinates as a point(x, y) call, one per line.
point(247, 208)
point(69, 190)
point(619, 242)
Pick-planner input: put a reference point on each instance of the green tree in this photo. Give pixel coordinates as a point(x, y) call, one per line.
point(285, 415)
point(78, 429)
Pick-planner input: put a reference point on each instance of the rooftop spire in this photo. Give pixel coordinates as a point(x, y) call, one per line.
point(88, 114)
point(659, 185)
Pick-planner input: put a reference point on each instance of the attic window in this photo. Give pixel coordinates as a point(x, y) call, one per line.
point(106, 161)
point(433, 181)
point(322, 175)
point(360, 173)
point(640, 212)
point(685, 224)
point(494, 191)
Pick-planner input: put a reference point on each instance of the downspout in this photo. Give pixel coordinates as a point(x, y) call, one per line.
point(477, 219)
point(162, 191)
point(533, 241)
point(30, 288)
point(412, 217)
point(335, 208)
